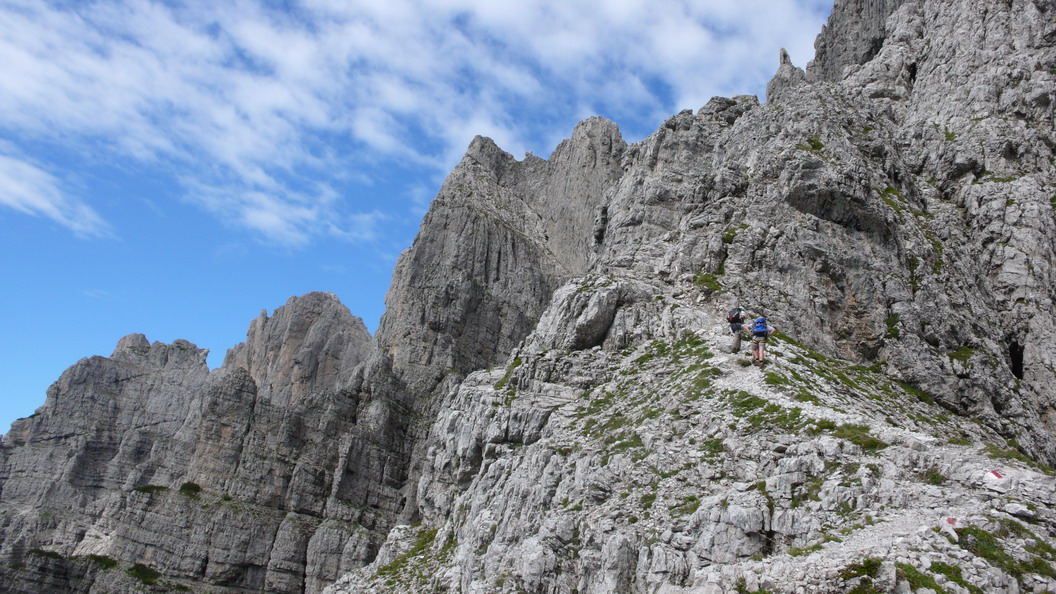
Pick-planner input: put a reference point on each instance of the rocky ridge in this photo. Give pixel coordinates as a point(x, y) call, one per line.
point(149, 458)
point(889, 206)
point(676, 467)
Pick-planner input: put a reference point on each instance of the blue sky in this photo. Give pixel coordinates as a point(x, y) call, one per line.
point(173, 168)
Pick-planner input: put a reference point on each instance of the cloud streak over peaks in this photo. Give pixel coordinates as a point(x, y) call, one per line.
point(264, 114)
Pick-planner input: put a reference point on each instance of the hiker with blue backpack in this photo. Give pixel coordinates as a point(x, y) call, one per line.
point(760, 332)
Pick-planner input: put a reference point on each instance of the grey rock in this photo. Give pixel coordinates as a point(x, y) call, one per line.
point(787, 76)
point(167, 464)
point(546, 406)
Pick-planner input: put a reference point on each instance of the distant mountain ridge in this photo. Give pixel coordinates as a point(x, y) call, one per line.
point(547, 405)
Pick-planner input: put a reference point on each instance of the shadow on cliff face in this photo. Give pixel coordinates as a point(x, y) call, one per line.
point(840, 205)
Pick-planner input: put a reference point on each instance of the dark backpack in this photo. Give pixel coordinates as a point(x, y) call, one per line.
point(735, 316)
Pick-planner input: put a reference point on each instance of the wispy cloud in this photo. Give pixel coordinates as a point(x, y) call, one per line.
point(263, 111)
point(33, 191)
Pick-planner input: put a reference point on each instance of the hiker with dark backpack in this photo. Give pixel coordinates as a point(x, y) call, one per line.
point(760, 332)
point(737, 317)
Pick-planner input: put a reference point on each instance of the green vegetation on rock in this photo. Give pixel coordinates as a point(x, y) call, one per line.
point(892, 327)
point(424, 541)
point(143, 573)
point(954, 574)
point(813, 145)
point(917, 579)
point(103, 561)
point(708, 281)
point(509, 373)
point(860, 436)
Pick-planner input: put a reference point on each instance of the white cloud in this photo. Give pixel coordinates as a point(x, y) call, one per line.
point(238, 97)
point(33, 191)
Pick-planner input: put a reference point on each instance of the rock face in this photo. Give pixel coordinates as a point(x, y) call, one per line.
point(228, 477)
point(500, 237)
point(548, 405)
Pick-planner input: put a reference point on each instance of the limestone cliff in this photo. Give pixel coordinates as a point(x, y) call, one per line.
point(252, 477)
point(548, 405)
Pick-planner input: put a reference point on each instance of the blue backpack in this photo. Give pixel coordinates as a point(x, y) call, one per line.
point(760, 326)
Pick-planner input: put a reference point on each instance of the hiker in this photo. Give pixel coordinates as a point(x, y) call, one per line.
point(760, 332)
point(736, 318)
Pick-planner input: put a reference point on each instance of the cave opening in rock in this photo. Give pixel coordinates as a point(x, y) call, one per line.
point(1015, 355)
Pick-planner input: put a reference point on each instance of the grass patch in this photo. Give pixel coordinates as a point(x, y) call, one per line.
point(647, 500)
point(949, 136)
point(962, 354)
point(953, 573)
point(773, 378)
point(190, 489)
point(866, 568)
point(708, 281)
point(627, 443)
point(807, 491)
point(759, 413)
point(103, 561)
point(893, 198)
point(801, 552)
point(687, 506)
point(743, 403)
point(147, 575)
point(149, 489)
point(932, 476)
point(46, 554)
point(985, 544)
point(424, 541)
point(730, 234)
point(509, 373)
point(813, 145)
point(860, 436)
point(712, 446)
point(1001, 453)
point(917, 579)
point(920, 394)
point(892, 327)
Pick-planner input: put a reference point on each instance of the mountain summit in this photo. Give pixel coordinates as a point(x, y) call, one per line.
point(550, 403)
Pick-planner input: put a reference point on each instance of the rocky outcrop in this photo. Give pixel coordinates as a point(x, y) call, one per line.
point(227, 478)
point(868, 209)
point(547, 405)
point(500, 237)
point(676, 467)
point(855, 34)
